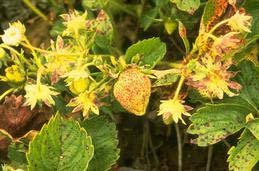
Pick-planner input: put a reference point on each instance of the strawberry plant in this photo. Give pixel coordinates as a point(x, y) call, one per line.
point(68, 103)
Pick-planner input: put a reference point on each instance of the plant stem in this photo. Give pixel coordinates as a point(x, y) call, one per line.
point(153, 150)
point(49, 52)
point(37, 11)
point(218, 25)
point(210, 152)
point(179, 86)
point(177, 46)
point(6, 93)
point(17, 53)
point(179, 145)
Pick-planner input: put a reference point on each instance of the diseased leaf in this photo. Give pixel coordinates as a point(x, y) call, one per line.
point(150, 50)
point(212, 11)
point(246, 154)
point(213, 123)
point(253, 127)
point(189, 6)
point(104, 136)
point(165, 80)
point(60, 145)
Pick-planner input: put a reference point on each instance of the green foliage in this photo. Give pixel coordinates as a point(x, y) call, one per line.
point(252, 7)
point(145, 48)
point(148, 18)
point(17, 153)
point(189, 6)
point(104, 136)
point(61, 145)
point(93, 4)
point(85, 64)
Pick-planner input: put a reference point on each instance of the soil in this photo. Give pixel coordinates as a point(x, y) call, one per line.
point(136, 153)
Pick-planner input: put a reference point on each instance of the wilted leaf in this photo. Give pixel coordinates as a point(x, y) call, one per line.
point(17, 119)
point(104, 136)
point(151, 51)
point(183, 35)
point(60, 145)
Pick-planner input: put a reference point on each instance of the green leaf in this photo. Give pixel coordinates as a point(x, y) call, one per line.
point(252, 8)
point(148, 18)
point(57, 28)
point(214, 123)
point(246, 154)
point(61, 145)
point(94, 4)
point(17, 152)
point(104, 135)
point(249, 78)
point(189, 6)
point(253, 127)
point(151, 51)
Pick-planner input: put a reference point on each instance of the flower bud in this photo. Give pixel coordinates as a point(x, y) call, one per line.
point(14, 74)
point(79, 86)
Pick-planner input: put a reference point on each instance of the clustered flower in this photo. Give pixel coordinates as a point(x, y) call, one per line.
point(212, 78)
point(209, 72)
point(240, 22)
point(74, 22)
point(208, 69)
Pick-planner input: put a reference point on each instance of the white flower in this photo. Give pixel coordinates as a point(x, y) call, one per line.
point(39, 92)
point(240, 22)
point(14, 34)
